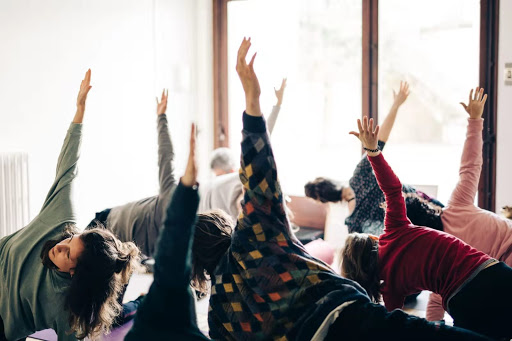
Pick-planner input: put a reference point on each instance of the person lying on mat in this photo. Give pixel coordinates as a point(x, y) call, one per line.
point(409, 258)
point(264, 284)
point(363, 195)
point(52, 275)
point(171, 285)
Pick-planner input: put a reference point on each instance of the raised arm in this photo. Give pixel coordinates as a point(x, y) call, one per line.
point(263, 217)
point(173, 265)
point(165, 148)
point(471, 161)
point(57, 205)
point(172, 261)
point(388, 181)
point(271, 122)
point(389, 121)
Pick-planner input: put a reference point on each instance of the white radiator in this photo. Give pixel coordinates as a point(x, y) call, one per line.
point(14, 206)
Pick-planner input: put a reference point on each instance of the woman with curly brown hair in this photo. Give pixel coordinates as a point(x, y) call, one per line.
point(55, 277)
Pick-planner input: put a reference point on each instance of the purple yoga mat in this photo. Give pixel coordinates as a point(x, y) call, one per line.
point(117, 334)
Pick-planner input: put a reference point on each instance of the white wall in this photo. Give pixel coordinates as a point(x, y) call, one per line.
point(504, 122)
point(134, 48)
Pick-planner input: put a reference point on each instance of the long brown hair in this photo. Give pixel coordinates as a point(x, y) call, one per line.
point(212, 239)
point(102, 270)
point(360, 262)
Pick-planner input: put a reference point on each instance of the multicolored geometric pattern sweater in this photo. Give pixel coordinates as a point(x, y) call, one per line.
point(267, 286)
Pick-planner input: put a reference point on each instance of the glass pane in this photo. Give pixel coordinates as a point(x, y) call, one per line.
point(317, 46)
point(434, 45)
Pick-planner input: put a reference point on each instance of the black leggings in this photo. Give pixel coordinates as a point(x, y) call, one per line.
point(369, 321)
point(484, 304)
point(2, 332)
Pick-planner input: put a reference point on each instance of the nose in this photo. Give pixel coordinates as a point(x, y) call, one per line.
point(59, 248)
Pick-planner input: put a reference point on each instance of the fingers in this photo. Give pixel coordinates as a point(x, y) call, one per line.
point(283, 83)
point(359, 126)
point(192, 138)
point(470, 96)
point(484, 99)
point(370, 125)
point(464, 105)
point(190, 176)
point(356, 134)
point(242, 51)
point(251, 63)
point(376, 131)
point(365, 124)
point(87, 79)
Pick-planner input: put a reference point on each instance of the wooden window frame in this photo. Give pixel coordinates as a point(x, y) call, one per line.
point(489, 33)
point(220, 74)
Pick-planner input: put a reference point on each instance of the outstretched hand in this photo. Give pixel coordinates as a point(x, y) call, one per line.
point(280, 92)
point(475, 106)
point(400, 97)
point(85, 86)
point(161, 107)
point(190, 177)
point(249, 80)
point(368, 136)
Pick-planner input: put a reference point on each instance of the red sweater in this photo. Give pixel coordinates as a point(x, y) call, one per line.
point(413, 258)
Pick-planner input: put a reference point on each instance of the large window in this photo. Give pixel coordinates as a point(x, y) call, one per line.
point(345, 56)
point(317, 46)
point(437, 52)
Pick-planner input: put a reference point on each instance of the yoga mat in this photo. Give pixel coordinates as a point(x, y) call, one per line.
point(117, 334)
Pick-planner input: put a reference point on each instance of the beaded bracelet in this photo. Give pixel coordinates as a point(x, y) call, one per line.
point(371, 150)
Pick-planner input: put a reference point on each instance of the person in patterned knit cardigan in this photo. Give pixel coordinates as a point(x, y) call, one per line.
point(264, 284)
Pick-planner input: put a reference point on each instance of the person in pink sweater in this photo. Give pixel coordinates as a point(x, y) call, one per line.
point(408, 258)
point(482, 229)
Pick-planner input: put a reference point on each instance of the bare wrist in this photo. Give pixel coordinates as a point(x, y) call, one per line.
point(188, 181)
point(252, 107)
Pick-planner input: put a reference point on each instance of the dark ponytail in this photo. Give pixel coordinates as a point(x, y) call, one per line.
point(212, 239)
point(324, 190)
point(422, 212)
